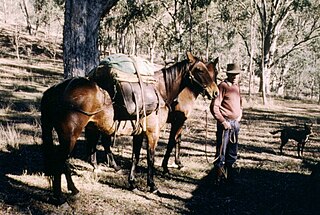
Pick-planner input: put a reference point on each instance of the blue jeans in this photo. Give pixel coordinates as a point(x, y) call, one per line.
point(227, 144)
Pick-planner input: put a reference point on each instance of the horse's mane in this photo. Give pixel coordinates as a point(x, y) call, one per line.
point(172, 73)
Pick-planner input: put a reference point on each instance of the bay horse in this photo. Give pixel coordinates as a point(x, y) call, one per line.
point(76, 103)
point(180, 110)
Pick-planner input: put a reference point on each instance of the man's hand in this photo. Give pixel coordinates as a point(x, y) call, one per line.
point(226, 125)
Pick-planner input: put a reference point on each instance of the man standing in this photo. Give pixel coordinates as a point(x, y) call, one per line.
point(227, 110)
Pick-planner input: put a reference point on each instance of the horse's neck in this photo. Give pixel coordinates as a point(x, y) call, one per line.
point(170, 87)
point(187, 96)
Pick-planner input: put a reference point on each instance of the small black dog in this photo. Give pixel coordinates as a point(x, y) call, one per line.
point(301, 136)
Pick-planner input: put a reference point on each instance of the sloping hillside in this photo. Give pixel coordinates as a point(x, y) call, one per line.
point(268, 183)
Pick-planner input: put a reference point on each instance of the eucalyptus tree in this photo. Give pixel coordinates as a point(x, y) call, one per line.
point(299, 18)
point(80, 34)
point(283, 26)
point(47, 13)
point(127, 29)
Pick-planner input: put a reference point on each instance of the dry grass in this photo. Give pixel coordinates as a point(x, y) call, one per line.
point(269, 183)
point(9, 137)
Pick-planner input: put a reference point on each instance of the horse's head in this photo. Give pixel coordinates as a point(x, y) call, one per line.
point(204, 76)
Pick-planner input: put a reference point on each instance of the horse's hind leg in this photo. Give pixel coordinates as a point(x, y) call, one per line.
point(70, 184)
point(68, 135)
point(106, 142)
point(57, 193)
point(92, 136)
point(137, 144)
point(150, 158)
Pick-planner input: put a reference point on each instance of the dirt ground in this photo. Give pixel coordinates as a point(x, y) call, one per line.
point(268, 183)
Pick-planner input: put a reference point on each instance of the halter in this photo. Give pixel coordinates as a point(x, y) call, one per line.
point(193, 79)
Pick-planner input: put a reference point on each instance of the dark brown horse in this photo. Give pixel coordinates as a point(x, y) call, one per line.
point(76, 103)
point(180, 110)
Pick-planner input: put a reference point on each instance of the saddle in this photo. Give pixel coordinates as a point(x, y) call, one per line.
point(130, 83)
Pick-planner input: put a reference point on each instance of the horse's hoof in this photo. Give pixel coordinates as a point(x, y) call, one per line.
point(74, 191)
point(173, 165)
point(132, 187)
point(73, 198)
point(95, 166)
point(116, 168)
point(121, 172)
point(58, 201)
point(65, 207)
point(165, 170)
point(180, 165)
point(154, 190)
point(97, 170)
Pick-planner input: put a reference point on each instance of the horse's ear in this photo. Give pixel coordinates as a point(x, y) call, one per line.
point(190, 57)
point(210, 66)
point(216, 61)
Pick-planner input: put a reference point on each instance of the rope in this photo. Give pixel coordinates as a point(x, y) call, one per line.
point(206, 140)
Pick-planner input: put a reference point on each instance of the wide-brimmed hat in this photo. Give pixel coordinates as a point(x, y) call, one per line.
point(233, 68)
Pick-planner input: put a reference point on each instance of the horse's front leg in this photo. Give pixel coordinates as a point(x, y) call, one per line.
point(174, 141)
point(137, 144)
point(177, 150)
point(106, 142)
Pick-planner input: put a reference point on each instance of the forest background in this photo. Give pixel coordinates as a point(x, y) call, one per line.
point(276, 42)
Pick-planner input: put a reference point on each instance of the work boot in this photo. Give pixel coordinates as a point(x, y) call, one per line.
point(219, 175)
point(232, 174)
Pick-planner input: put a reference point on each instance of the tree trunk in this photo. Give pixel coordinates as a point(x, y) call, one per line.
point(263, 71)
point(24, 8)
point(80, 35)
point(190, 24)
point(252, 52)
point(281, 84)
point(5, 10)
point(207, 34)
point(319, 89)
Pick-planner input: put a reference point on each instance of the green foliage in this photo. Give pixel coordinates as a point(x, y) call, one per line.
point(165, 30)
point(301, 5)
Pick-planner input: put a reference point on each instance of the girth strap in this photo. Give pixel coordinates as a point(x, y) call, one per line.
point(144, 126)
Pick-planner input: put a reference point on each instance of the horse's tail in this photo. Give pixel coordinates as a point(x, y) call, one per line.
point(274, 132)
point(47, 126)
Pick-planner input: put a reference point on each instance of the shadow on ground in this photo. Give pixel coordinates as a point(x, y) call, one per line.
point(259, 192)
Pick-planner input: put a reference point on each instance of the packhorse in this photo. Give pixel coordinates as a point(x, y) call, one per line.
point(78, 103)
point(180, 110)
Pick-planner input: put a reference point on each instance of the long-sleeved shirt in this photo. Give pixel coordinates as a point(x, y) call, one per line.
point(228, 104)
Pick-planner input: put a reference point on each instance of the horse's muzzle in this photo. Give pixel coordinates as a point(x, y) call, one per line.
point(210, 93)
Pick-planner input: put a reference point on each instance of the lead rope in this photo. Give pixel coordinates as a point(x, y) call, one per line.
point(206, 140)
point(221, 147)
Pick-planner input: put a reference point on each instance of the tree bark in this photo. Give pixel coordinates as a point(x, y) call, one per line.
point(252, 50)
point(80, 35)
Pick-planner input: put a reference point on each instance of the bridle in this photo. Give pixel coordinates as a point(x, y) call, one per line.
point(203, 87)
